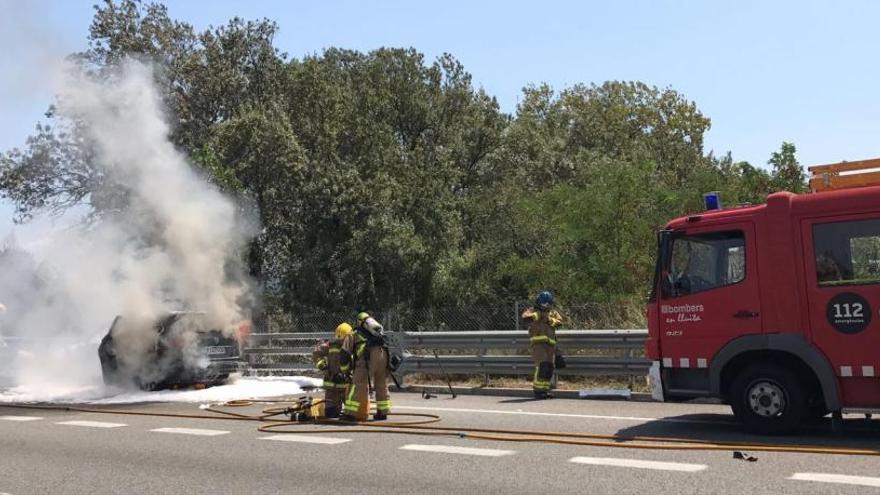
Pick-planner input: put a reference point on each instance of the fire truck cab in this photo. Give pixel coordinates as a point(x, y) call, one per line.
point(774, 308)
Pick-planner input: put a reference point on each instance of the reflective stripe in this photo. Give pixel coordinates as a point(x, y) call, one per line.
point(539, 384)
point(334, 350)
point(345, 367)
point(542, 338)
point(383, 405)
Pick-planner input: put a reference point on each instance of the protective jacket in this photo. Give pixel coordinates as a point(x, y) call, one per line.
point(330, 358)
point(370, 368)
point(542, 345)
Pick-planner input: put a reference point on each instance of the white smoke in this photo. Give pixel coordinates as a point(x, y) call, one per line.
point(169, 249)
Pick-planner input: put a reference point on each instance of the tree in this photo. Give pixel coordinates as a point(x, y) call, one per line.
point(788, 175)
point(380, 179)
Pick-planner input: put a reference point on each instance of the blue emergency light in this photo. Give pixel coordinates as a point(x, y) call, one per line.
point(712, 200)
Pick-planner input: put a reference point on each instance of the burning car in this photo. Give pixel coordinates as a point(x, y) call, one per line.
point(177, 349)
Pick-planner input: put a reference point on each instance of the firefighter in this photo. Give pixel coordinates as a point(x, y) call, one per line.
point(330, 358)
point(369, 370)
point(542, 321)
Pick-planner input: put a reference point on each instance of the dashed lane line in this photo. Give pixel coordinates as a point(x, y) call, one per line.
point(191, 431)
point(837, 478)
point(19, 418)
point(289, 437)
point(91, 424)
point(449, 449)
point(639, 464)
point(557, 415)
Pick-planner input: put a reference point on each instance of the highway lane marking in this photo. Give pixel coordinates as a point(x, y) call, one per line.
point(558, 415)
point(449, 449)
point(19, 418)
point(288, 437)
point(837, 478)
point(639, 464)
point(91, 424)
point(191, 431)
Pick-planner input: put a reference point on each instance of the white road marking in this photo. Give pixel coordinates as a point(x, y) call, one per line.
point(837, 478)
point(449, 449)
point(91, 424)
point(639, 464)
point(557, 415)
point(191, 431)
point(19, 418)
point(306, 439)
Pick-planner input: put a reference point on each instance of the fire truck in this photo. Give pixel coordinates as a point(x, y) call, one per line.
point(774, 308)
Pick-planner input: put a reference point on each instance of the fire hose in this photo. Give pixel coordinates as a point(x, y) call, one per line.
point(421, 426)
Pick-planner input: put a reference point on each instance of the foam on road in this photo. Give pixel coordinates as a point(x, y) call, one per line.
point(240, 388)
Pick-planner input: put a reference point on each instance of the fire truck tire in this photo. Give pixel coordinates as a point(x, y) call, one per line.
point(768, 399)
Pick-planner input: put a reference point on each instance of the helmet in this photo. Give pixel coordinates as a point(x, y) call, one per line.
point(544, 300)
point(343, 330)
point(363, 315)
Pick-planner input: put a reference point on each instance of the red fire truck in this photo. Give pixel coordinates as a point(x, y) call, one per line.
point(774, 308)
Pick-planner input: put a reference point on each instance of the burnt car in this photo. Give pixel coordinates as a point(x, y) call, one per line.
point(177, 349)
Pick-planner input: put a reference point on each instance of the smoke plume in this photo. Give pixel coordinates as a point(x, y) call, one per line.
point(171, 247)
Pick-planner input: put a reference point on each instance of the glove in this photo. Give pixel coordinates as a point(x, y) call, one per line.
point(340, 378)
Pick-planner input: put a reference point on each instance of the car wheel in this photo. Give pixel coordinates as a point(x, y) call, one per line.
point(768, 399)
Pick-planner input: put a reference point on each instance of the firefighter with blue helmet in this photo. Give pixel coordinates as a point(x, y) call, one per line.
point(542, 321)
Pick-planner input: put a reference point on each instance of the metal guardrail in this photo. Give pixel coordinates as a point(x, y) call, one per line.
point(468, 353)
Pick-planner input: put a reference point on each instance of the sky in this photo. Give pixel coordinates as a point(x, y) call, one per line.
point(764, 72)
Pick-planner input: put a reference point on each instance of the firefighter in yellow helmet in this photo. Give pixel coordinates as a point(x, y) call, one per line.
point(330, 358)
point(542, 321)
point(369, 353)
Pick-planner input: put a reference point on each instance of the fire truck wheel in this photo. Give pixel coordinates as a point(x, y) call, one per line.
point(768, 399)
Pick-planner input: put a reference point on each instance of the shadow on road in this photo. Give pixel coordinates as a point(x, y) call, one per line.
point(858, 433)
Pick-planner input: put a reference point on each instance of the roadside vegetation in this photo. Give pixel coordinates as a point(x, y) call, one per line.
point(385, 180)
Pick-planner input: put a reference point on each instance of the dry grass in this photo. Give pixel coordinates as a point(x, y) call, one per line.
point(564, 383)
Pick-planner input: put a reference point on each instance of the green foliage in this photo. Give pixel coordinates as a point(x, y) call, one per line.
point(788, 175)
point(382, 179)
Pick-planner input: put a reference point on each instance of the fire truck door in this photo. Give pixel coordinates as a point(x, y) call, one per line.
point(842, 267)
point(710, 293)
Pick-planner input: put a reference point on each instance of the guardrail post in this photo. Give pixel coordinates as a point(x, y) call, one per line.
point(629, 355)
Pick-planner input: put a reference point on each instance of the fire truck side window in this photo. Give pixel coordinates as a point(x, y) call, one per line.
point(707, 261)
point(847, 253)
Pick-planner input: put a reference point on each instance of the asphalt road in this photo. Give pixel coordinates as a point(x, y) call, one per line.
point(71, 452)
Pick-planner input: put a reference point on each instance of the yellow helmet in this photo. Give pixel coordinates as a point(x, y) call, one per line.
point(363, 315)
point(343, 330)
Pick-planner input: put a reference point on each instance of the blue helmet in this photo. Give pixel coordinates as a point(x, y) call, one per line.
point(544, 300)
